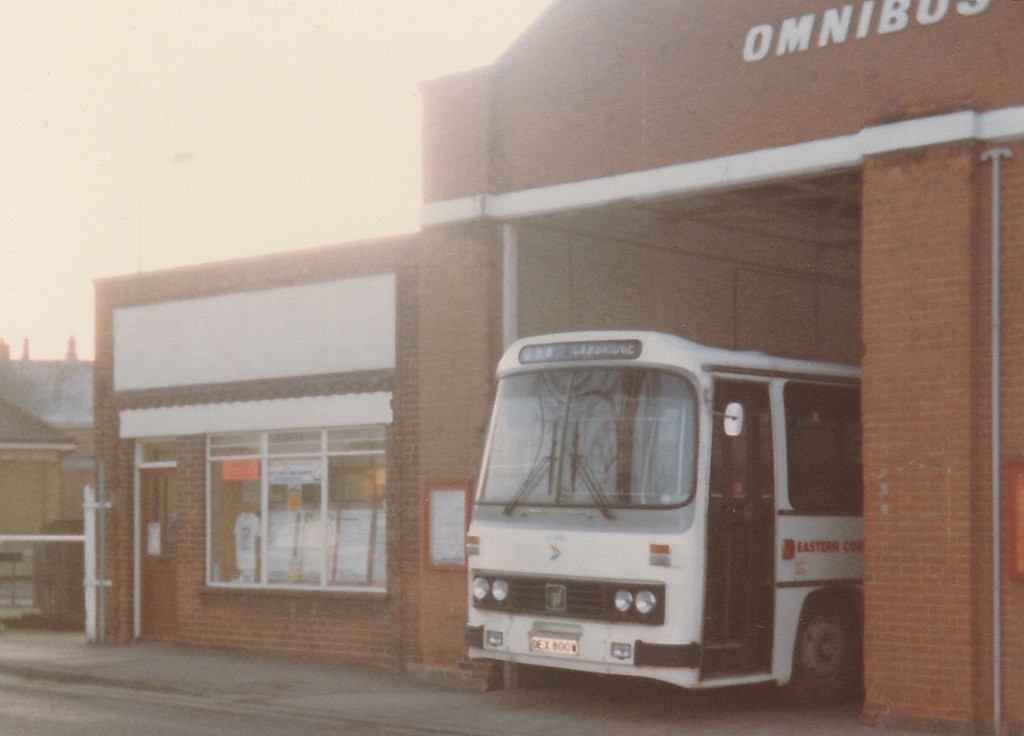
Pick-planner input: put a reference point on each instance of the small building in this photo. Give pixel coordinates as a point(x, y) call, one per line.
point(31, 456)
point(45, 462)
point(254, 422)
point(805, 178)
point(60, 393)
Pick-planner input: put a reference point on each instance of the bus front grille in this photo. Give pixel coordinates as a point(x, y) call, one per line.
point(589, 600)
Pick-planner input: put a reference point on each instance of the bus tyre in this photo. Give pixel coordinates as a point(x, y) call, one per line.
point(826, 659)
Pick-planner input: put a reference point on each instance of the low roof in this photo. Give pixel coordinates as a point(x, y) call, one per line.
point(57, 391)
point(19, 428)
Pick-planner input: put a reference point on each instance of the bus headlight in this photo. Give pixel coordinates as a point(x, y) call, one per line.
point(623, 601)
point(499, 589)
point(645, 602)
point(481, 588)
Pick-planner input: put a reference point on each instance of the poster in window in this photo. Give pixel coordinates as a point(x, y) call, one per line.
point(1015, 521)
point(240, 470)
point(446, 518)
point(294, 470)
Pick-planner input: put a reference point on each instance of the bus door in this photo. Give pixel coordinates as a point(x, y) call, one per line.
point(739, 598)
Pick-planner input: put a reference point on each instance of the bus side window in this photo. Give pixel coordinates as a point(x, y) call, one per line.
point(823, 437)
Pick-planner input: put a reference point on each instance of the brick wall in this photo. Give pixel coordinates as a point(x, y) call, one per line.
point(1012, 400)
point(926, 451)
point(460, 328)
point(602, 88)
point(717, 286)
point(455, 135)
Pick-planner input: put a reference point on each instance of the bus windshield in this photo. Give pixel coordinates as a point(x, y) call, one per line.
point(600, 438)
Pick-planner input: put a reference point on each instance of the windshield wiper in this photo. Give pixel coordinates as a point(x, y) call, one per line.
point(534, 476)
point(529, 484)
point(578, 464)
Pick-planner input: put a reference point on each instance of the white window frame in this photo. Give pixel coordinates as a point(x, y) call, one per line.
point(264, 456)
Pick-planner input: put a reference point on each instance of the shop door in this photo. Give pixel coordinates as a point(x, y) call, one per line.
point(159, 568)
point(740, 590)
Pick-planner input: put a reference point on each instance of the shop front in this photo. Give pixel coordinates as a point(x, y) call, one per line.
point(250, 438)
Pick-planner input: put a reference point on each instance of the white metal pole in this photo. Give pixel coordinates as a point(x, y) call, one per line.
point(510, 284)
point(89, 514)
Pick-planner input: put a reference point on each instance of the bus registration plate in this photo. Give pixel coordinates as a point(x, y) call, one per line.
point(549, 645)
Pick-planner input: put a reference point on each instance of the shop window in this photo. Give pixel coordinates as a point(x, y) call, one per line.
point(823, 436)
point(298, 508)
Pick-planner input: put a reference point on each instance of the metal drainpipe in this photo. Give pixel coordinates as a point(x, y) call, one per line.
point(994, 155)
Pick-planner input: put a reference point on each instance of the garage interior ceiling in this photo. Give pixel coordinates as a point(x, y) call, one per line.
point(822, 211)
point(825, 210)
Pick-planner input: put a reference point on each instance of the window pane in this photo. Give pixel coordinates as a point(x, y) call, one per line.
point(355, 439)
point(295, 537)
point(230, 445)
point(824, 445)
point(288, 443)
point(356, 519)
point(234, 521)
point(285, 495)
point(599, 437)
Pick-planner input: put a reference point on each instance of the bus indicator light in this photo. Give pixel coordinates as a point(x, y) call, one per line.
point(661, 555)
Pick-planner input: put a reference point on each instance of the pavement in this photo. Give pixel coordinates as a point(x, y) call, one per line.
point(567, 704)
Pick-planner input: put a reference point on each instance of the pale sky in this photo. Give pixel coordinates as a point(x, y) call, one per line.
point(151, 134)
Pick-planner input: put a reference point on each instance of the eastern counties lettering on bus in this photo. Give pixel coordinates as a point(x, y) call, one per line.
point(829, 546)
point(835, 24)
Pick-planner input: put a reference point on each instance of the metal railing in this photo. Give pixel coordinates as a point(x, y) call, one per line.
point(32, 565)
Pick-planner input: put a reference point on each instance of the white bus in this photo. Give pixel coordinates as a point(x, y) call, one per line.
point(649, 506)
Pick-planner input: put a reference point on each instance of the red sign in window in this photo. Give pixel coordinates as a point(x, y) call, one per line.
point(1015, 521)
point(240, 470)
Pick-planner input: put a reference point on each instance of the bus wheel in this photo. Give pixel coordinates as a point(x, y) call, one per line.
point(825, 660)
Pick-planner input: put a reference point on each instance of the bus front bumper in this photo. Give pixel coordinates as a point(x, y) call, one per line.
point(640, 653)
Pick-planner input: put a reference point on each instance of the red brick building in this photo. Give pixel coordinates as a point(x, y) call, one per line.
point(806, 178)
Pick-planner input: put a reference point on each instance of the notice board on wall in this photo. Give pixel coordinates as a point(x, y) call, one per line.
point(446, 517)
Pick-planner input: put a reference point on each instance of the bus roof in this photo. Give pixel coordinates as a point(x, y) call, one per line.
point(654, 348)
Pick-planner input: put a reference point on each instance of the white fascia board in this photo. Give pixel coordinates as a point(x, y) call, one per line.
point(735, 170)
point(454, 210)
point(301, 413)
point(1001, 124)
point(38, 446)
point(958, 126)
point(710, 174)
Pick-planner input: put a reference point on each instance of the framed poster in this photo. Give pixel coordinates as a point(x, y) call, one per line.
point(446, 517)
point(1014, 544)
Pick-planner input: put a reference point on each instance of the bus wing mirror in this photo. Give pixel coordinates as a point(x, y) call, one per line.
point(733, 422)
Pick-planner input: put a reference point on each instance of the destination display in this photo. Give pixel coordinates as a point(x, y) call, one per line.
point(559, 352)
